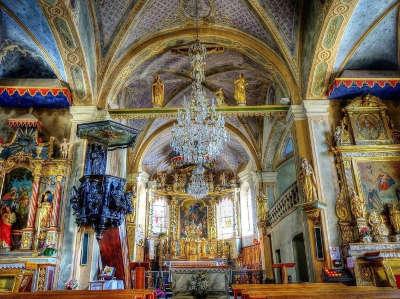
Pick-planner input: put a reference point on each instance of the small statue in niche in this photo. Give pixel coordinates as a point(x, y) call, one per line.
point(222, 179)
point(162, 180)
point(220, 97)
point(65, 148)
point(357, 206)
point(240, 90)
point(176, 182)
point(211, 182)
point(379, 229)
point(394, 216)
point(345, 135)
point(338, 135)
point(158, 92)
point(308, 181)
point(261, 209)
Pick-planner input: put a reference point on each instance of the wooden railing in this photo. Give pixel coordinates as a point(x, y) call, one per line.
point(284, 205)
point(117, 294)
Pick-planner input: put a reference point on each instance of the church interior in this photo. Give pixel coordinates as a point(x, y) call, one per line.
point(199, 149)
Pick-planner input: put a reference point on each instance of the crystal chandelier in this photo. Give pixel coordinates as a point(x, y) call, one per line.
point(197, 187)
point(199, 134)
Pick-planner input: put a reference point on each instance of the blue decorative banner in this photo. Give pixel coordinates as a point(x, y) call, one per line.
point(37, 97)
point(347, 88)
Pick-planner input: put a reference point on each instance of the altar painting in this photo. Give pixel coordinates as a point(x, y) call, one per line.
point(379, 181)
point(14, 206)
point(193, 217)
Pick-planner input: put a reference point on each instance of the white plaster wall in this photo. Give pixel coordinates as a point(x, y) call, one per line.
point(327, 175)
point(282, 235)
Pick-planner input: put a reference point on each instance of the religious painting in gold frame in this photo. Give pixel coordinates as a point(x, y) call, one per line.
point(193, 218)
point(378, 180)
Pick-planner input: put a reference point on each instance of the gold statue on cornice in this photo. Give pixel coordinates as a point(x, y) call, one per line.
point(158, 92)
point(240, 90)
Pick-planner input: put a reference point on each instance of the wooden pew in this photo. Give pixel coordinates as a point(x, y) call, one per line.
point(83, 294)
point(348, 292)
point(238, 288)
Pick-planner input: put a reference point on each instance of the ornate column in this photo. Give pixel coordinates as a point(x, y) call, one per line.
point(320, 128)
point(51, 237)
point(304, 119)
point(28, 232)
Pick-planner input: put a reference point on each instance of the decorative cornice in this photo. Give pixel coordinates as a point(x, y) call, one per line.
point(87, 113)
point(171, 112)
point(268, 176)
point(316, 107)
point(296, 112)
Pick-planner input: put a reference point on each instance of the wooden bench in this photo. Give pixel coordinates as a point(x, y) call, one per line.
point(312, 290)
point(237, 289)
point(325, 294)
point(83, 294)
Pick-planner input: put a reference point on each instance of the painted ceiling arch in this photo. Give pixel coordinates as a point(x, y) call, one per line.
point(27, 46)
point(152, 153)
point(355, 35)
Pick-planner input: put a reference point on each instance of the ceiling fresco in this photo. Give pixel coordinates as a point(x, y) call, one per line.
point(285, 14)
point(31, 16)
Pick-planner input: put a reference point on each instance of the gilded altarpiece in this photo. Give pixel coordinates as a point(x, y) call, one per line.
point(368, 165)
point(192, 223)
point(33, 173)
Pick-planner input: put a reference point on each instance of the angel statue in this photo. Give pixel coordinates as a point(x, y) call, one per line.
point(307, 181)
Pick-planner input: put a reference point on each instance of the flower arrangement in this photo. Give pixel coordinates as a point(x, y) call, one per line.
point(365, 234)
point(199, 285)
point(71, 284)
point(49, 250)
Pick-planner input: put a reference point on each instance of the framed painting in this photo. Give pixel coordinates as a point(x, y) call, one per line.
point(193, 218)
point(378, 180)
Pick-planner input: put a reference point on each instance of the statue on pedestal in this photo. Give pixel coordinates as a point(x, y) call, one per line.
point(240, 90)
point(379, 230)
point(394, 216)
point(357, 206)
point(220, 97)
point(308, 181)
point(65, 148)
point(158, 92)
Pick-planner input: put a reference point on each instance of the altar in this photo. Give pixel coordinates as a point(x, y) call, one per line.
point(217, 277)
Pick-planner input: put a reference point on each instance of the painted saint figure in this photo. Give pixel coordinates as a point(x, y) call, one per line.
point(65, 148)
point(158, 92)
point(240, 90)
point(7, 218)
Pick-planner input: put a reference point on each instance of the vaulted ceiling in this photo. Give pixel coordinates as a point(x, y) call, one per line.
point(109, 50)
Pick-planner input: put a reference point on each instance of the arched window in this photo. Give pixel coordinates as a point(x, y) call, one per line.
point(246, 209)
point(288, 149)
point(159, 215)
point(225, 219)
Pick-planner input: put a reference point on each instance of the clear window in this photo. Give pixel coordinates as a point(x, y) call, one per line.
point(225, 219)
point(159, 215)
